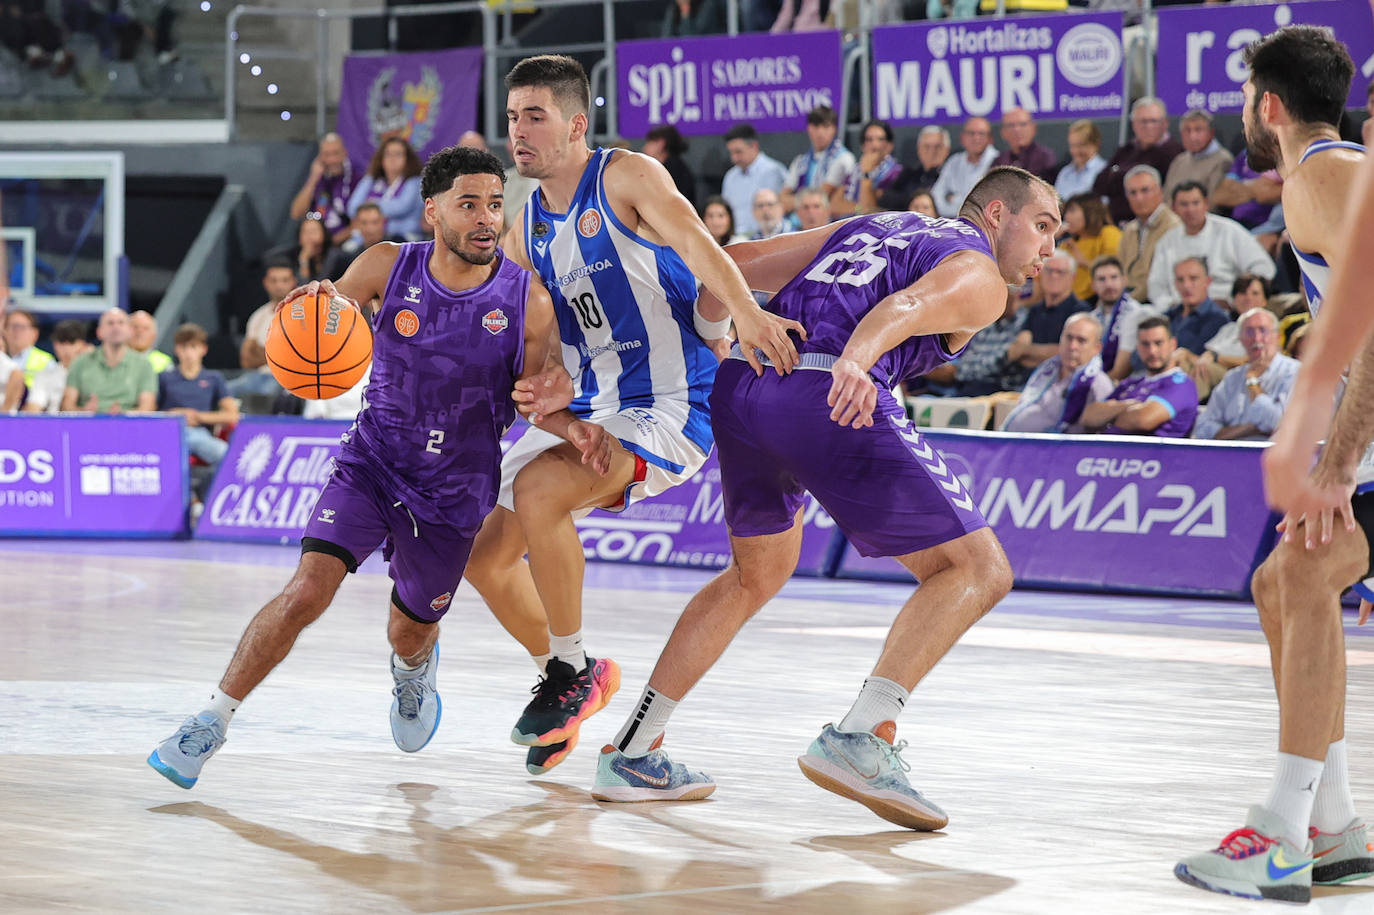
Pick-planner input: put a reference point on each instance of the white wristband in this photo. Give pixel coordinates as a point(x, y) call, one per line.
point(710, 330)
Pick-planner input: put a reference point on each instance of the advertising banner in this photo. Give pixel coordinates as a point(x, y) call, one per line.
point(1205, 45)
point(1054, 66)
point(707, 85)
point(97, 476)
point(427, 97)
point(1113, 513)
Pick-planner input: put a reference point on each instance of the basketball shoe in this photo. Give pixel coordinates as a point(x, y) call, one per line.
point(651, 777)
point(415, 705)
point(179, 757)
point(1341, 857)
point(866, 767)
point(541, 759)
point(1253, 862)
point(563, 699)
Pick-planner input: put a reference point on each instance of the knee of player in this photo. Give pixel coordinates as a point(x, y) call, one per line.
point(541, 495)
point(759, 582)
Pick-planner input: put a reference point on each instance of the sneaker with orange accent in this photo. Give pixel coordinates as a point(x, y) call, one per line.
point(1342, 856)
point(865, 766)
point(1253, 862)
point(651, 777)
point(563, 699)
point(541, 759)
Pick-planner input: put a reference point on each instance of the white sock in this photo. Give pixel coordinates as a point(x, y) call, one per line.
point(1292, 793)
point(646, 724)
point(542, 661)
point(880, 700)
point(568, 649)
point(1334, 808)
point(400, 664)
point(223, 705)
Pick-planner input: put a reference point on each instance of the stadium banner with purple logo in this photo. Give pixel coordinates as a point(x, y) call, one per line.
point(1206, 45)
point(1111, 513)
point(1060, 66)
point(426, 97)
point(93, 476)
point(707, 85)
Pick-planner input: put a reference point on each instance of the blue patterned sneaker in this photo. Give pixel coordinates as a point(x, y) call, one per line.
point(1253, 862)
point(1343, 856)
point(865, 767)
point(415, 706)
point(563, 699)
point(651, 777)
point(541, 759)
point(180, 756)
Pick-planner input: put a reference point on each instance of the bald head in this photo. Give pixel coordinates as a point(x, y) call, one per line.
point(473, 140)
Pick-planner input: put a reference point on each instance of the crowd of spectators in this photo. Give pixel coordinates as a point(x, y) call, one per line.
point(38, 33)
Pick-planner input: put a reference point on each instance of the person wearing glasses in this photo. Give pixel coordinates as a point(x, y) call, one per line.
point(1151, 146)
point(1249, 401)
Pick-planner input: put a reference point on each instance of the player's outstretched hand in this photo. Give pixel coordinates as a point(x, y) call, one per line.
point(853, 395)
point(594, 442)
point(759, 329)
point(1325, 493)
point(540, 395)
point(1288, 462)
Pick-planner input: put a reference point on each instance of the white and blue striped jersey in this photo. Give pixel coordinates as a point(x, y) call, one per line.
point(624, 308)
point(1316, 272)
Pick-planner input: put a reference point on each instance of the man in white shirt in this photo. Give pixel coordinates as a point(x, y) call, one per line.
point(1248, 403)
point(826, 165)
point(68, 342)
point(1228, 247)
point(752, 171)
point(960, 173)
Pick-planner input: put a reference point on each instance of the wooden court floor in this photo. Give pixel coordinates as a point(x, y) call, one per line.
point(1080, 744)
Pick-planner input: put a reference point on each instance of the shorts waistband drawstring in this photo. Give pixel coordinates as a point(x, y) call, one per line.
point(413, 523)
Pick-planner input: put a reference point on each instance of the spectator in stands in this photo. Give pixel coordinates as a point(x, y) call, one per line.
point(1062, 385)
point(923, 201)
point(393, 181)
point(666, 144)
point(12, 385)
point(1090, 236)
point(1195, 321)
point(1225, 350)
point(1085, 162)
point(1162, 401)
point(769, 219)
point(278, 278)
point(327, 188)
point(720, 220)
point(313, 255)
point(1228, 248)
point(960, 173)
point(1250, 195)
point(813, 208)
point(1038, 339)
point(34, 37)
point(197, 393)
point(826, 164)
point(111, 378)
point(1141, 235)
point(932, 151)
point(344, 406)
point(879, 181)
point(687, 18)
point(1151, 146)
point(1119, 315)
point(1018, 132)
point(982, 367)
point(1203, 159)
point(143, 339)
point(68, 342)
point(370, 226)
point(146, 20)
point(471, 139)
point(752, 170)
point(1247, 404)
point(21, 343)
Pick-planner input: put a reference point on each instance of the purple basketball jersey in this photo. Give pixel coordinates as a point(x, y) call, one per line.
point(443, 366)
point(863, 262)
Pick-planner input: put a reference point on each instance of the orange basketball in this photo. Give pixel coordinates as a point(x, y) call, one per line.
point(318, 347)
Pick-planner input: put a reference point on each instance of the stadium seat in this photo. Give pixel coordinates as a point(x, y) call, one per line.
point(949, 412)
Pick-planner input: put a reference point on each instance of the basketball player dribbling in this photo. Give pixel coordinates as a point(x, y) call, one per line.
point(888, 297)
point(621, 252)
point(459, 323)
point(1307, 830)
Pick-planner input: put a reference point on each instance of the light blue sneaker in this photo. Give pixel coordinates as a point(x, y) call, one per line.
point(180, 756)
point(651, 777)
point(415, 706)
point(865, 767)
point(1254, 862)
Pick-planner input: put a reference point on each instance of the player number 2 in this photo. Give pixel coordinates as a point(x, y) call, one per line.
point(587, 309)
point(864, 262)
point(436, 438)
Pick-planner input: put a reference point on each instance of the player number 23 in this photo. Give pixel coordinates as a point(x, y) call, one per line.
point(863, 261)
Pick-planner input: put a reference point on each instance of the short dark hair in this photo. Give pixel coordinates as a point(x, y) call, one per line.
point(884, 126)
point(190, 333)
point(561, 75)
point(1107, 260)
point(742, 132)
point(71, 330)
point(1007, 183)
point(1307, 68)
point(279, 261)
point(1243, 283)
point(822, 116)
point(673, 140)
point(445, 166)
point(1188, 186)
point(1154, 321)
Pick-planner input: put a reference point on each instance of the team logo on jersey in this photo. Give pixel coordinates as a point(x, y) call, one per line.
point(541, 247)
point(540, 229)
point(441, 601)
point(414, 294)
point(407, 322)
point(495, 321)
point(589, 223)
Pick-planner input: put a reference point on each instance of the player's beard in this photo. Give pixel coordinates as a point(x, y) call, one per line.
point(1261, 144)
point(454, 242)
